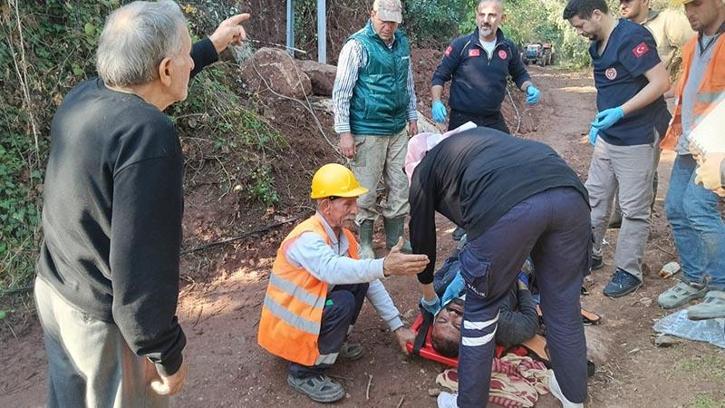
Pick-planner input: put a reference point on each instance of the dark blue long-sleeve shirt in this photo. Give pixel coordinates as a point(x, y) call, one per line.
point(478, 81)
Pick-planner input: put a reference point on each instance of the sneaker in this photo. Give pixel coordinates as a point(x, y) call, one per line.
point(713, 307)
point(319, 388)
point(558, 394)
point(351, 351)
point(622, 283)
point(447, 400)
point(680, 294)
point(458, 233)
point(597, 262)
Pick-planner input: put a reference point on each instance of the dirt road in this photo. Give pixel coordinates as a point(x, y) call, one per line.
point(229, 370)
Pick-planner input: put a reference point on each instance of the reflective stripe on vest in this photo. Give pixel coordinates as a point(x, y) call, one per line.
point(296, 292)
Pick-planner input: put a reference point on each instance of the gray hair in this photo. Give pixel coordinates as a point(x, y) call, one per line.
point(499, 2)
point(135, 39)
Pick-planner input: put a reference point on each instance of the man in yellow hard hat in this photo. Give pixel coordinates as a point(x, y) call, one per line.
point(319, 283)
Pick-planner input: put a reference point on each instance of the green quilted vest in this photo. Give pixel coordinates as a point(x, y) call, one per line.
point(379, 103)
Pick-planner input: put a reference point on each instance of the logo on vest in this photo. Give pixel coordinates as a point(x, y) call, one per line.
point(502, 54)
point(610, 73)
point(475, 52)
point(640, 49)
point(448, 51)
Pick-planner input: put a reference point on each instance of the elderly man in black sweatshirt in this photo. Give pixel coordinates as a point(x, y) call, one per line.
point(514, 197)
point(108, 273)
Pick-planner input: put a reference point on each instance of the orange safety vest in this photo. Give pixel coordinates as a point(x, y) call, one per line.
point(711, 89)
point(292, 310)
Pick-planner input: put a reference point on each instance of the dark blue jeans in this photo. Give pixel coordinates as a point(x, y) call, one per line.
point(697, 226)
point(554, 227)
point(340, 312)
point(493, 121)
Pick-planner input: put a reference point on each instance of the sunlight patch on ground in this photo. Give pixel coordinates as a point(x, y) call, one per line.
point(578, 89)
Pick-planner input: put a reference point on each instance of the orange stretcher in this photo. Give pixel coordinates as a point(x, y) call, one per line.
point(535, 346)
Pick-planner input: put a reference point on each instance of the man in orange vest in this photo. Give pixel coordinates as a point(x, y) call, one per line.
point(319, 283)
point(697, 226)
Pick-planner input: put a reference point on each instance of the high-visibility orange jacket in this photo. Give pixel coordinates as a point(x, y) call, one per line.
point(711, 88)
point(292, 310)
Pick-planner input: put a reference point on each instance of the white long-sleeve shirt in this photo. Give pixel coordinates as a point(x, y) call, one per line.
point(353, 56)
point(332, 264)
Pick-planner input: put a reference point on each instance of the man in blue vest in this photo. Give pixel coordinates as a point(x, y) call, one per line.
point(479, 65)
point(373, 101)
point(630, 80)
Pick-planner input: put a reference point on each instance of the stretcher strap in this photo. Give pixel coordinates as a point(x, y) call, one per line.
point(422, 330)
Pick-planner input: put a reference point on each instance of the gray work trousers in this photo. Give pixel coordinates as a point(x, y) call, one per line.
point(381, 156)
point(89, 362)
point(629, 168)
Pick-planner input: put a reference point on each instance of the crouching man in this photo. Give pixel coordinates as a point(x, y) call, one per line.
point(318, 285)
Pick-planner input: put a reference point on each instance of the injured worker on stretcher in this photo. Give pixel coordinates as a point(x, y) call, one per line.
point(518, 320)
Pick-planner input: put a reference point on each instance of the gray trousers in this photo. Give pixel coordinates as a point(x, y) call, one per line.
point(617, 212)
point(381, 156)
point(630, 168)
point(89, 362)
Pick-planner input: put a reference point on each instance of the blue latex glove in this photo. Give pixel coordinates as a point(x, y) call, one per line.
point(454, 289)
point(593, 135)
point(533, 95)
point(431, 307)
point(608, 117)
point(438, 110)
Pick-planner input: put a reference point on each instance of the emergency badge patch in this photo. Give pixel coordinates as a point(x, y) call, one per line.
point(502, 54)
point(448, 51)
point(611, 73)
point(640, 49)
point(474, 52)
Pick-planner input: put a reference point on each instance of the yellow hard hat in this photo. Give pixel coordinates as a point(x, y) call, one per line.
point(335, 180)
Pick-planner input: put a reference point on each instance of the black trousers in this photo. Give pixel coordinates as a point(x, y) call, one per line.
point(341, 310)
point(490, 120)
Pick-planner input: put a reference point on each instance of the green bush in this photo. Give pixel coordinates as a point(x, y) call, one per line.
point(47, 48)
point(434, 21)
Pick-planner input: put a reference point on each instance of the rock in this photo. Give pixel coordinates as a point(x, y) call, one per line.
point(669, 269)
point(322, 76)
point(273, 69)
point(664, 340)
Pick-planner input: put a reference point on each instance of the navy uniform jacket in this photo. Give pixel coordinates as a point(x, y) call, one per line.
point(479, 82)
point(619, 74)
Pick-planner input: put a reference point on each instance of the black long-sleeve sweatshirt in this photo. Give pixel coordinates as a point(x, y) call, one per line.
point(113, 203)
point(473, 178)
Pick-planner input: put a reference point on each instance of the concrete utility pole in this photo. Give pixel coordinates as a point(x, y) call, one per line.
point(321, 32)
point(321, 29)
point(290, 26)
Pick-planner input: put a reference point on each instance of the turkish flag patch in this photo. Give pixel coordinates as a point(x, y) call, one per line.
point(448, 51)
point(640, 49)
point(474, 52)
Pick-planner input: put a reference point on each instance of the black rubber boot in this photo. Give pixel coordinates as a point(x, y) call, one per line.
point(365, 232)
point(393, 231)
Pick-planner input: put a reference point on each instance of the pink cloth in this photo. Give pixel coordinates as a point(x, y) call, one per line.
point(419, 144)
